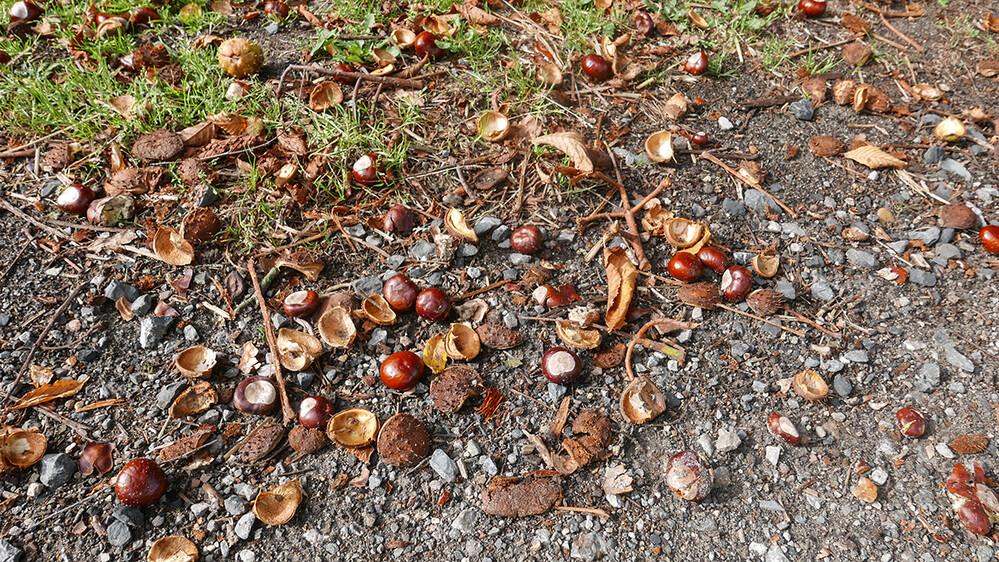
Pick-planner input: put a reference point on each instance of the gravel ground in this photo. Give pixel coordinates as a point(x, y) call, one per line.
point(931, 343)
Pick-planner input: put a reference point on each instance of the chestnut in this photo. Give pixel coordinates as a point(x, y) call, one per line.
point(24, 11)
point(365, 171)
point(735, 283)
point(433, 304)
point(782, 427)
point(400, 292)
point(398, 219)
point(345, 67)
point(912, 422)
point(315, 411)
point(643, 23)
point(596, 67)
point(276, 8)
point(812, 8)
point(989, 237)
point(239, 57)
point(144, 16)
point(713, 258)
point(696, 63)
point(75, 199)
point(426, 45)
point(700, 138)
point(301, 303)
point(527, 240)
point(686, 267)
point(255, 395)
point(688, 476)
point(141, 482)
point(560, 365)
point(401, 370)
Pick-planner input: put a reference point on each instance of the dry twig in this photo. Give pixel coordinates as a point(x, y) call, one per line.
point(287, 414)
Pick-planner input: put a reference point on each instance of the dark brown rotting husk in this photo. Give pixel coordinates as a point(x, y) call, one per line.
point(510, 496)
point(450, 389)
point(158, 146)
point(497, 336)
point(403, 441)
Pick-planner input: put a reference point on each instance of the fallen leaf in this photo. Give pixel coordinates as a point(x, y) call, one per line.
point(970, 444)
point(621, 278)
point(123, 105)
point(325, 95)
point(49, 392)
point(873, 157)
point(823, 145)
point(572, 144)
point(866, 490)
point(854, 23)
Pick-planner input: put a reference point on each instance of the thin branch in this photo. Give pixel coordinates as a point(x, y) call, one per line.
point(287, 413)
point(714, 160)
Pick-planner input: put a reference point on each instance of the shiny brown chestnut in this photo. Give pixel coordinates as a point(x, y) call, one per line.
point(365, 170)
point(315, 411)
point(596, 67)
point(782, 427)
point(276, 8)
point(400, 292)
point(696, 63)
point(561, 365)
point(911, 422)
point(398, 219)
point(345, 67)
point(24, 11)
point(402, 370)
point(989, 237)
point(713, 258)
point(426, 45)
point(736, 283)
point(255, 395)
point(144, 16)
point(686, 267)
point(75, 199)
point(301, 303)
point(643, 23)
point(527, 240)
point(141, 482)
point(433, 304)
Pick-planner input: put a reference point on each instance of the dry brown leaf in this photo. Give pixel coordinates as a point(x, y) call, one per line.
point(873, 157)
point(621, 278)
point(123, 105)
point(866, 490)
point(40, 376)
point(232, 123)
point(991, 22)
point(573, 145)
point(49, 392)
point(617, 481)
point(823, 145)
point(854, 24)
point(325, 95)
point(970, 443)
point(476, 15)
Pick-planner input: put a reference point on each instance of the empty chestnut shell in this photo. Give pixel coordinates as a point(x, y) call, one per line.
point(255, 395)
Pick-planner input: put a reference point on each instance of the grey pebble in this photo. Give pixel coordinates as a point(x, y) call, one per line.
point(153, 329)
point(56, 469)
point(802, 110)
point(862, 259)
point(823, 291)
point(955, 168)
point(9, 552)
point(244, 526)
point(365, 286)
point(142, 305)
point(118, 533)
point(842, 386)
point(444, 466)
point(129, 515)
point(934, 155)
point(921, 277)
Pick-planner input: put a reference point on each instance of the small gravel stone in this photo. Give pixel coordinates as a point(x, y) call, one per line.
point(934, 155)
point(486, 224)
point(842, 386)
point(728, 440)
point(9, 552)
point(786, 288)
point(116, 289)
point(423, 250)
point(862, 259)
point(235, 505)
point(856, 356)
point(519, 259)
point(771, 505)
point(142, 305)
point(129, 515)
point(56, 470)
point(444, 466)
point(119, 534)
point(366, 286)
point(247, 555)
point(957, 359)
point(168, 393)
point(955, 168)
point(802, 110)
point(944, 451)
point(153, 329)
point(244, 526)
point(879, 476)
point(760, 202)
point(556, 392)
point(724, 124)
point(465, 521)
point(733, 207)
point(922, 277)
point(773, 454)
point(928, 236)
point(775, 554)
point(823, 291)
